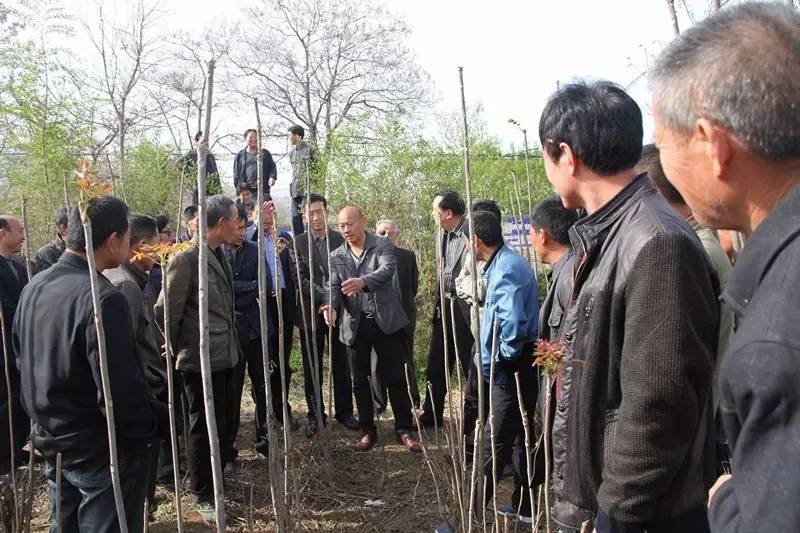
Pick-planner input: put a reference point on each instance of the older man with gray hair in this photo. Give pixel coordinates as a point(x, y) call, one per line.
point(725, 97)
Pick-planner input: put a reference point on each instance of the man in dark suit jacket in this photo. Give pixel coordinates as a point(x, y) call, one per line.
point(370, 316)
point(13, 278)
point(407, 284)
point(276, 238)
point(316, 215)
point(245, 165)
point(243, 256)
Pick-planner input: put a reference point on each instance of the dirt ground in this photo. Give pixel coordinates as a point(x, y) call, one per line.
point(384, 490)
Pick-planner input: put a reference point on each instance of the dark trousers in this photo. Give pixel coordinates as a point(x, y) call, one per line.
point(165, 466)
point(22, 424)
point(509, 433)
point(378, 385)
point(87, 496)
point(201, 483)
point(390, 365)
point(253, 363)
point(297, 215)
point(342, 382)
point(275, 384)
point(435, 373)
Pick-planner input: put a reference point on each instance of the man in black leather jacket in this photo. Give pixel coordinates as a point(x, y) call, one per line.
point(639, 333)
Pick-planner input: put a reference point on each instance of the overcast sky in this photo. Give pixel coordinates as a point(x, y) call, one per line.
point(513, 51)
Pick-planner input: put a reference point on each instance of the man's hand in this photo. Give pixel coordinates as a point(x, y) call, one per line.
point(272, 182)
point(269, 209)
point(352, 286)
point(713, 490)
point(329, 313)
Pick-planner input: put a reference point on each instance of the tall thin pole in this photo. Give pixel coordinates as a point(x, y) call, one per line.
point(205, 356)
point(104, 377)
point(278, 505)
point(15, 525)
point(474, 319)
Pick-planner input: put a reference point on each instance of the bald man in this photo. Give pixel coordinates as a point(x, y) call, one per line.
point(368, 311)
point(13, 277)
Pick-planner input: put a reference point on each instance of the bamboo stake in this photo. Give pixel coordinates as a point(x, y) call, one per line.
point(474, 318)
point(315, 382)
point(526, 426)
point(274, 466)
point(282, 365)
point(12, 440)
point(59, 468)
point(104, 377)
point(330, 326)
point(173, 426)
point(491, 423)
point(547, 452)
point(205, 356)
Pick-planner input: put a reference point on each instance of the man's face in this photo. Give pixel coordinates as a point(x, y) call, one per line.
point(316, 215)
point(241, 229)
point(165, 236)
point(246, 197)
point(688, 166)
point(118, 247)
point(562, 180)
point(12, 236)
point(294, 139)
point(229, 226)
point(537, 241)
point(387, 230)
point(441, 216)
point(251, 139)
point(191, 226)
point(351, 225)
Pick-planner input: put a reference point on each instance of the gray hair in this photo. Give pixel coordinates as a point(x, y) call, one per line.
point(739, 68)
point(217, 208)
point(388, 222)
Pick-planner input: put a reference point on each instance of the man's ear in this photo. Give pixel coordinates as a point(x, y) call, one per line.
point(544, 236)
point(717, 143)
point(568, 160)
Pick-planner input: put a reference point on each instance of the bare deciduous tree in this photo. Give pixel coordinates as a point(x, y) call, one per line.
point(673, 15)
point(320, 63)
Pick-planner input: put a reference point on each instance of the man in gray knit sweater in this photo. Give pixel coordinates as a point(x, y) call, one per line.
point(639, 332)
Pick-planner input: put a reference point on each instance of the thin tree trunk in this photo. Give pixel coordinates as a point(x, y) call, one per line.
point(66, 191)
point(205, 356)
point(104, 377)
point(529, 458)
point(474, 318)
point(26, 234)
point(11, 439)
point(547, 451)
point(278, 501)
point(59, 471)
point(173, 429)
point(492, 424)
point(673, 16)
point(522, 222)
point(717, 4)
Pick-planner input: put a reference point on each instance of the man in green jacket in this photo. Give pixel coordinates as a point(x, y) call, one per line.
point(181, 282)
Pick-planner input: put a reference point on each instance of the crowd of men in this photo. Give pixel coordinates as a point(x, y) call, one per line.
point(676, 401)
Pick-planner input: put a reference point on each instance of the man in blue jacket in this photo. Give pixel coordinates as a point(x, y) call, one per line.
point(511, 308)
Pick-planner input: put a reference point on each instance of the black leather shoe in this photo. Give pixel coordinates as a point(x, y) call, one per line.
point(350, 422)
point(367, 441)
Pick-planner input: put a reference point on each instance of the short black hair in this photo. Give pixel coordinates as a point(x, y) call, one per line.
point(61, 217)
point(242, 187)
point(189, 213)
point(550, 215)
point(241, 212)
point(451, 201)
point(108, 215)
point(650, 162)
point(487, 228)
point(487, 205)
point(297, 130)
point(248, 130)
point(600, 122)
point(3, 222)
point(142, 227)
point(162, 219)
point(198, 135)
point(217, 208)
point(314, 198)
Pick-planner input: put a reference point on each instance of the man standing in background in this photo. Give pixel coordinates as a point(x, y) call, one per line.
point(301, 156)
